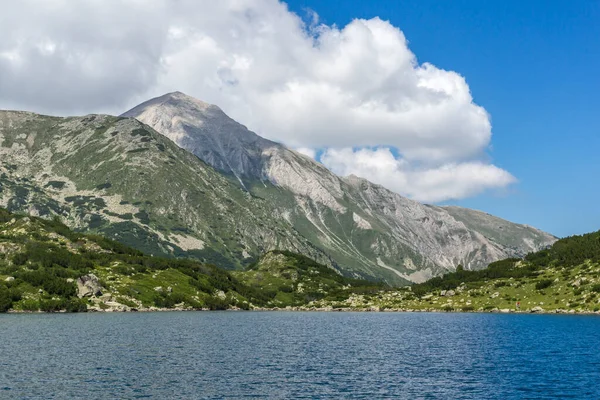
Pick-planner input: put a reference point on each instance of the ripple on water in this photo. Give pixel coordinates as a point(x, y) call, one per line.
point(231, 355)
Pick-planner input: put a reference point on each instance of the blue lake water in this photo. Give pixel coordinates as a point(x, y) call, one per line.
point(282, 355)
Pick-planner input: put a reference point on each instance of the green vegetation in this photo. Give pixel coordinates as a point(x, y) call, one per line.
point(569, 252)
point(563, 278)
point(41, 262)
point(45, 266)
point(286, 279)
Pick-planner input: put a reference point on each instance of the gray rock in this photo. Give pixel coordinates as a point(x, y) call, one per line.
point(9, 279)
point(88, 286)
point(106, 297)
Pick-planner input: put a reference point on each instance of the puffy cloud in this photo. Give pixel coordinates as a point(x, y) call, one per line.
point(63, 57)
point(447, 181)
point(306, 84)
point(312, 153)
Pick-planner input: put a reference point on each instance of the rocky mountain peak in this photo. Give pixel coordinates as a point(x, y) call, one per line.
point(206, 131)
point(178, 101)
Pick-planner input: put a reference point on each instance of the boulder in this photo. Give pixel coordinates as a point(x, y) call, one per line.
point(88, 286)
point(9, 279)
point(106, 297)
point(537, 309)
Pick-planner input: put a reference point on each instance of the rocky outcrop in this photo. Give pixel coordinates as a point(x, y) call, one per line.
point(206, 131)
point(89, 286)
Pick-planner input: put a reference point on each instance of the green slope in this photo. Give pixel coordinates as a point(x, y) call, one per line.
point(42, 261)
point(563, 278)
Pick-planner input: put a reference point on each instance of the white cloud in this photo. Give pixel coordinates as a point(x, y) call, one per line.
point(447, 181)
point(309, 86)
point(312, 153)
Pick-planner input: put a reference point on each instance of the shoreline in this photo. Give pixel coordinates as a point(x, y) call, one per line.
point(316, 309)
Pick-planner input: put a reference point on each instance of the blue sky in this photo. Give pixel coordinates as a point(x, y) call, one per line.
point(534, 67)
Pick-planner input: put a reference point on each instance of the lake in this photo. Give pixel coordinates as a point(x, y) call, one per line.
point(282, 355)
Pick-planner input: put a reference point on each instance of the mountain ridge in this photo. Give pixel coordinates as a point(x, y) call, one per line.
point(363, 226)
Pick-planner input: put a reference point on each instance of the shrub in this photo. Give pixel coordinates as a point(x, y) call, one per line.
point(126, 302)
point(75, 305)
point(30, 305)
point(543, 284)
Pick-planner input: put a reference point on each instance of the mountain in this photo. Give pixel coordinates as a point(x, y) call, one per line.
point(365, 228)
point(120, 178)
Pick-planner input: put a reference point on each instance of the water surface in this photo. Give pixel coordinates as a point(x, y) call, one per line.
point(282, 355)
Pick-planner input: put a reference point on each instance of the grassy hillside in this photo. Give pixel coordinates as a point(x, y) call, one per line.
point(42, 261)
point(291, 279)
point(46, 266)
point(563, 278)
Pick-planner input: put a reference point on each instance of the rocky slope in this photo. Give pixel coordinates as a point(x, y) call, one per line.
point(120, 178)
point(365, 228)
